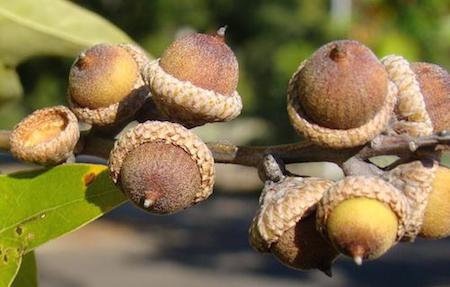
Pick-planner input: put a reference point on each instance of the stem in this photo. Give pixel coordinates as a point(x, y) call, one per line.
point(304, 151)
point(289, 153)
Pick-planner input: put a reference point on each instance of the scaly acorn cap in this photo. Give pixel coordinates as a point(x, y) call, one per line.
point(195, 80)
point(106, 86)
point(284, 224)
point(47, 136)
point(282, 205)
point(415, 180)
point(436, 219)
point(327, 92)
point(423, 97)
point(375, 190)
point(153, 153)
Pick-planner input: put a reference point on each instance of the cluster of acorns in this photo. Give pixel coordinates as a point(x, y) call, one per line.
point(341, 97)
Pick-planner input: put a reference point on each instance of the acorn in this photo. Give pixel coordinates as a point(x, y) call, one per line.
point(47, 136)
point(195, 80)
point(436, 220)
point(341, 96)
point(285, 224)
point(423, 97)
point(162, 167)
point(363, 217)
point(106, 86)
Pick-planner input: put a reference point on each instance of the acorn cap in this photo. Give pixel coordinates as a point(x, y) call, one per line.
point(434, 82)
point(168, 133)
point(188, 104)
point(368, 187)
point(337, 138)
point(282, 205)
point(117, 112)
point(47, 136)
point(415, 180)
point(412, 115)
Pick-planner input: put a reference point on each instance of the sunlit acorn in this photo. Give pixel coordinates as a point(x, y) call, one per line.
point(285, 224)
point(194, 82)
point(436, 220)
point(47, 136)
point(423, 97)
point(162, 167)
point(341, 96)
point(106, 86)
point(363, 217)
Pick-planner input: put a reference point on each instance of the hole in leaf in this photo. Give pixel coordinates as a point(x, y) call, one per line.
point(19, 230)
point(5, 258)
point(89, 178)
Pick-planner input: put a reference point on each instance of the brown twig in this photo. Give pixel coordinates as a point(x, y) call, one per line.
point(304, 151)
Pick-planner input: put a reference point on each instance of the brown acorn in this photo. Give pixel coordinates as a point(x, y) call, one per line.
point(162, 167)
point(341, 96)
point(194, 82)
point(423, 97)
point(285, 224)
point(48, 136)
point(106, 85)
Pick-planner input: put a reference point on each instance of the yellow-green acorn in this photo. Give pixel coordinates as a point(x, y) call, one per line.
point(106, 85)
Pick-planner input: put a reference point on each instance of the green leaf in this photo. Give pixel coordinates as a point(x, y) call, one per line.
point(50, 27)
point(10, 261)
point(27, 275)
point(38, 206)
point(10, 86)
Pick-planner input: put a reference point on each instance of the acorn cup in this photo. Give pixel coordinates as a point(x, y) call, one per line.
point(363, 217)
point(47, 136)
point(162, 167)
point(106, 86)
point(341, 96)
point(195, 80)
point(427, 188)
point(285, 224)
point(423, 97)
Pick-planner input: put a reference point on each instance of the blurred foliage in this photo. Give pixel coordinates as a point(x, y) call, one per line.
point(270, 39)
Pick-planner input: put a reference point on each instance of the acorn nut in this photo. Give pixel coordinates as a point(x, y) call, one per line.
point(363, 217)
point(423, 97)
point(436, 220)
point(47, 136)
point(162, 167)
point(341, 96)
point(106, 86)
point(285, 224)
point(194, 82)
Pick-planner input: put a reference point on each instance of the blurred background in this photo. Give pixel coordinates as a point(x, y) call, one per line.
point(207, 245)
